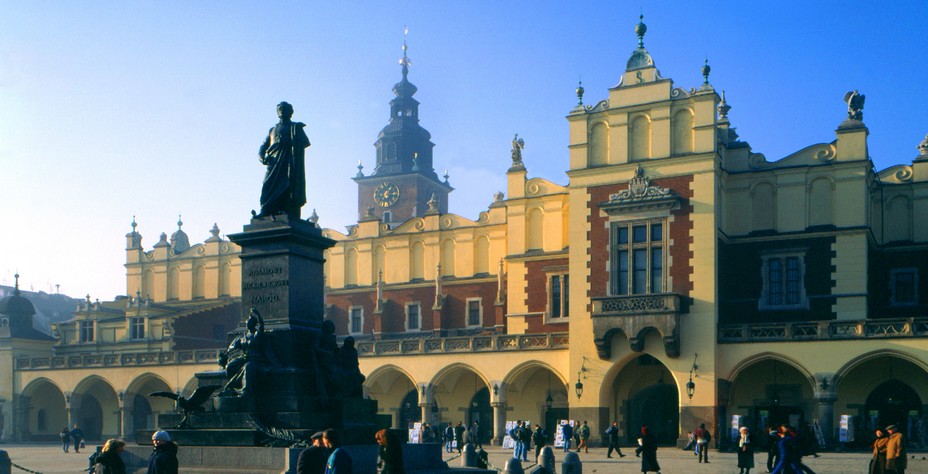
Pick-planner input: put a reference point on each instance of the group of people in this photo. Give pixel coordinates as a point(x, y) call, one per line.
point(888, 452)
point(580, 434)
point(326, 456)
point(163, 459)
point(68, 435)
point(523, 437)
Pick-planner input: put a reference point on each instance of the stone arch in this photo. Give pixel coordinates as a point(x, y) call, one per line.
point(772, 389)
point(529, 387)
point(763, 206)
point(482, 255)
point(683, 137)
point(417, 261)
point(599, 144)
point(95, 408)
point(140, 411)
point(351, 266)
point(821, 202)
point(397, 394)
point(456, 387)
point(447, 257)
point(898, 221)
point(46, 397)
point(640, 389)
point(535, 229)
point(639, 137)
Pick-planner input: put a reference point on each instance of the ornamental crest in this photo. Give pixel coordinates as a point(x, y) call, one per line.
point(639, 187)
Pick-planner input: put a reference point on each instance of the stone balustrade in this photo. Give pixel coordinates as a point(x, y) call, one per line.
point(824, 330)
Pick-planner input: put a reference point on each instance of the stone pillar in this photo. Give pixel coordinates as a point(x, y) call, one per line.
point(825, 397)
point(499, 423)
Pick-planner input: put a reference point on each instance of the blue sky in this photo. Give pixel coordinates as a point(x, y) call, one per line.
point(154, 109)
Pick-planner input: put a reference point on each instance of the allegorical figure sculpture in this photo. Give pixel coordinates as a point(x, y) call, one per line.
point(855, 105)
point(191, 405)
point(517, 145)
point(252, 358)
point(350, 372)
point(283, 152)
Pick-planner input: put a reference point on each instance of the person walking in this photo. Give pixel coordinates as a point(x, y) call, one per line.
point(449, 438)
point(77, 437)
point(516, 434)
point(612, 434)
point(108, 461)
point(389, 453)
point(312, 459)
point(163, 459)
point(339, 461)
point(567, 432)
point(702, 442)
point(773, 451)
point(878, 461)
point(647, 451)
point(538, 439)
point(584, 432)
point(459, 435)
point(745, 451)
point(895, 451)
point(475, 427)
point(65, 436)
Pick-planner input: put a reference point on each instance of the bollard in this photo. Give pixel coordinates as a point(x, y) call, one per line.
point(468, 456)
point(571, 464)
point(6, 465)
point(513, 466)
point(546, 459)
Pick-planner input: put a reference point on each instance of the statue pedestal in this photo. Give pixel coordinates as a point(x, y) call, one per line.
point(295, 389)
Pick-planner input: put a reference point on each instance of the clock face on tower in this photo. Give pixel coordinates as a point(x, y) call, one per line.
point(386, 194)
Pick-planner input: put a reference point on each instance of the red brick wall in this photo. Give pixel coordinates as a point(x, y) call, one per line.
point(679, 231)
point(196, 331)
point(536, 294)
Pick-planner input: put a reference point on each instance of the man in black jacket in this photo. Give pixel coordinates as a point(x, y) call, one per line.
point(613, 434)
point(312, 459)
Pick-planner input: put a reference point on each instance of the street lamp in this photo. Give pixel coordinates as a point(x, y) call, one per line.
point(578, 387)
point(691, 386)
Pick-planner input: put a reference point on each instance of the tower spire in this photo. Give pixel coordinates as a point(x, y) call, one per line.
point(405, 61)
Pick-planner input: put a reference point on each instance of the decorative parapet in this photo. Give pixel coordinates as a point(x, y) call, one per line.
point(133, 359)
point(640, 196)
point(824, 330)
point(493, 343)
point(635, 315)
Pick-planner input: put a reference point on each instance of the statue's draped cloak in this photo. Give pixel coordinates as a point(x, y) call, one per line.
point(284, 188)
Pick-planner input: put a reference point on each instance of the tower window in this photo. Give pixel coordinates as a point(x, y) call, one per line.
point(86, 331)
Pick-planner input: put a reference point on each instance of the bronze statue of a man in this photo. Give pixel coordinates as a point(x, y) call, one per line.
point(283, 152)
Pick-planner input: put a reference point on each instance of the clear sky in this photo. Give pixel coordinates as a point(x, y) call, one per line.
point(156, 108)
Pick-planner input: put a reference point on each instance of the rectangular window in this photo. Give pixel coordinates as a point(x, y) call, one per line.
point(638, 263)
point(559, 303)
point(136, 328)
point(412, 317)
point(357, 320)
point(474, 312)
point(903, 285)
point(783, 281)
point(86, 331)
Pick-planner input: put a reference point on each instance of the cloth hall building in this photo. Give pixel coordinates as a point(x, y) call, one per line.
point(676, 277)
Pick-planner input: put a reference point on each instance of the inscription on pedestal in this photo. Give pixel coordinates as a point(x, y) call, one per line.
point(266, 286)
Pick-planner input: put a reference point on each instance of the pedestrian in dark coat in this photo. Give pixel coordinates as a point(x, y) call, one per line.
point(77, 435)
point(773, 451)
point(164, 458)
point(108, 461)
point(312, 459)
point(745, 451)
point(538, 439)
point(389, 453)
point(647, 450)
point(878, 462)
point(459, 435)
point(613, 434)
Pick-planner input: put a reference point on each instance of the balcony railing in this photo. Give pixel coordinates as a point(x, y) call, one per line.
point(824, 330)
point(133, 359)
point(636, 304)
point(494, 343)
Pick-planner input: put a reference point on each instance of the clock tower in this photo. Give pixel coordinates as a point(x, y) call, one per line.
point(404, 180)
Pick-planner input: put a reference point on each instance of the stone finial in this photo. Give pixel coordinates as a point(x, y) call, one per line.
point(923, 146)
point(706, 69)
point(433, 200)
point(134, 224)
point(723, 108)
point(446, 176)
point(360, 170)
point(640, 30)
point(580, 92)
point(855, 105)
point(517, 145)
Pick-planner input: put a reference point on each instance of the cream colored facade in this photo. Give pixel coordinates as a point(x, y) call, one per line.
point(786, 291)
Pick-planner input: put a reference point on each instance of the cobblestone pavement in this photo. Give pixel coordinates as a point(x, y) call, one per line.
point(49, 459)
